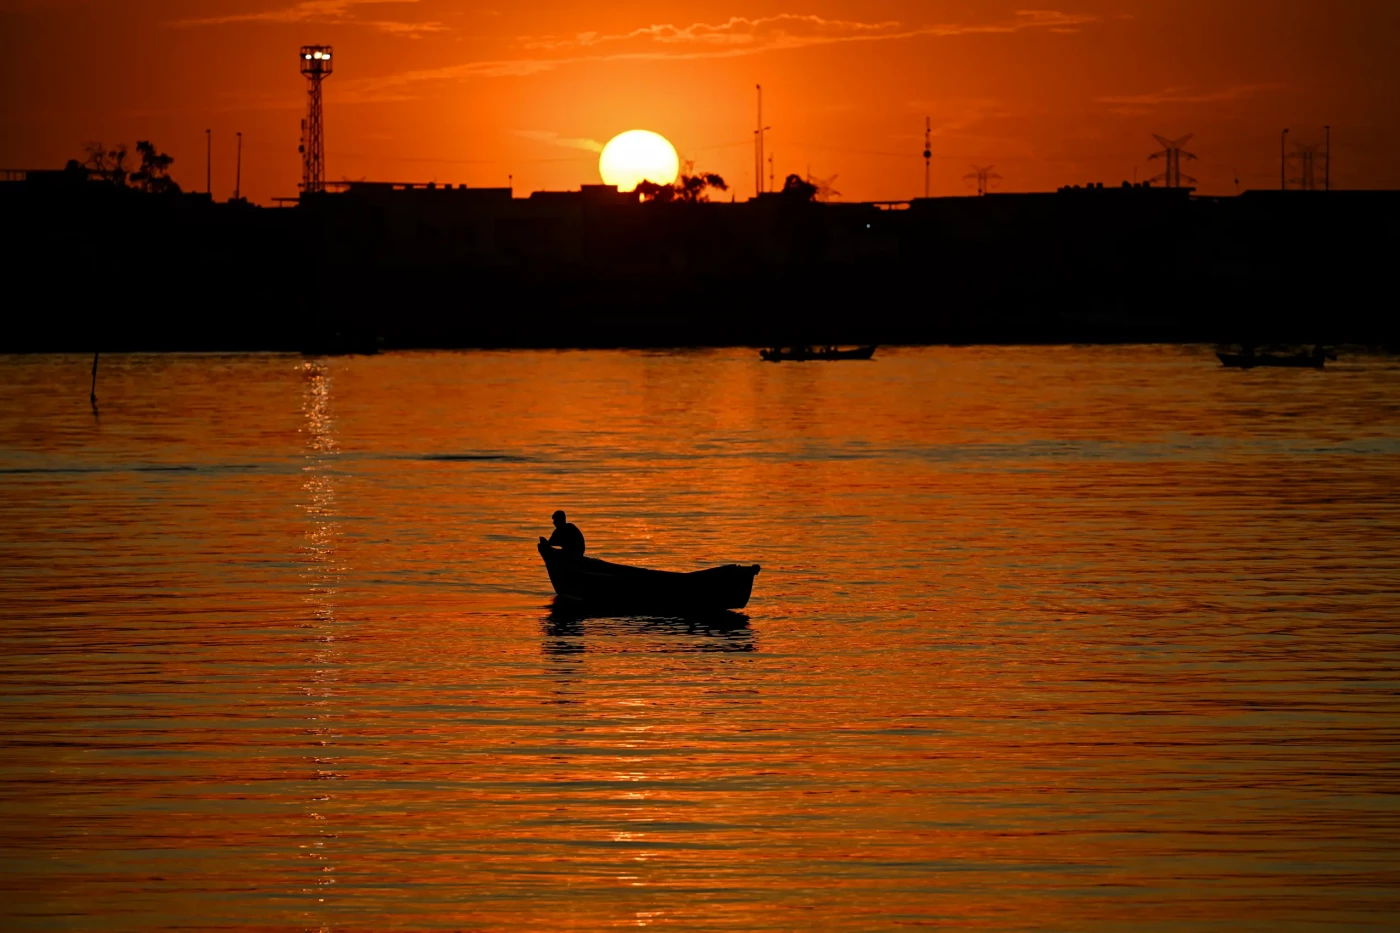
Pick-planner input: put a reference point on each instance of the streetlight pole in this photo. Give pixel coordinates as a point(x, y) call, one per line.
point(758, 140)
point(1283, 162)
point(209, 163)
point(1329, 157)
point(238, 174)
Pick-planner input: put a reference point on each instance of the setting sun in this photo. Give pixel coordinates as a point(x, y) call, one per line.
point(637, 156)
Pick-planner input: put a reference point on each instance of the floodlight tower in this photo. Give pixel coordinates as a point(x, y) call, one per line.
point(316, 65)
point(1173, 153)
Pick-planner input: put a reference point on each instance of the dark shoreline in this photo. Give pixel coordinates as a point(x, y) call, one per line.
point(88, 267)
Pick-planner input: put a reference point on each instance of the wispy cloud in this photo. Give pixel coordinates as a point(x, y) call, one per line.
point(738, 36)
point(783, 30)
point(324, 11)
point(1145, 103)
point(568, 142)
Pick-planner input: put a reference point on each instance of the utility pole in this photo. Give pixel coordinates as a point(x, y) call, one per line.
point(928, 150)
point(771, 186)
point(238, 173)
point(1327, 185)
point(1283, 162)
point(209, 163)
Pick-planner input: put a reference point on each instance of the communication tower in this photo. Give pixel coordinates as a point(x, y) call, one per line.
point(316, 66)
point(984, 176)
point(1173, 153)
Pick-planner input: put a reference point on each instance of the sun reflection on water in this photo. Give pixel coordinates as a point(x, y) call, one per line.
point(323, 576)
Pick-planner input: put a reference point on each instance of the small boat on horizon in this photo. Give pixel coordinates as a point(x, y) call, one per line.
point(1248, 359)
point(804, 354)
point(598, 584)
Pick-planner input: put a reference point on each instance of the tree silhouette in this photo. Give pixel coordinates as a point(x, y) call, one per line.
point(651, 191)
point(796, 188)
point(109, 165)
point(695, 188)
point(154, 174)
point(689, 189)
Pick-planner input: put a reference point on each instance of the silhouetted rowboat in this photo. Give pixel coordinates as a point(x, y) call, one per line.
point(803, 354)
point(597, 583)
point(1297, 361)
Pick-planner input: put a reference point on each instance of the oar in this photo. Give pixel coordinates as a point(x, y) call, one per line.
point(92, 393)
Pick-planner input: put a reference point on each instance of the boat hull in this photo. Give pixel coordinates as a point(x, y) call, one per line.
point(600, 584)
point(1301, 361)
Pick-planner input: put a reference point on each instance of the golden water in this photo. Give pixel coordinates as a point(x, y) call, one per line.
point(1045, 638)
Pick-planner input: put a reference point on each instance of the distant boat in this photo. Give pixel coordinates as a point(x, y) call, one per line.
point(599, 584)
point(803, 354)
point(1296, 361)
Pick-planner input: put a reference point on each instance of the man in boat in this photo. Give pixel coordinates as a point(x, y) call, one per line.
point(567, 538)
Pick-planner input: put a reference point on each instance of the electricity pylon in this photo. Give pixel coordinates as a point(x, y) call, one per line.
point(984, 176)
point(1307, 158)
point(823, 185)
point(1173, 153)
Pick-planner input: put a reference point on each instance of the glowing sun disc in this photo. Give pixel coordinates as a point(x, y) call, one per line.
point(636, 156)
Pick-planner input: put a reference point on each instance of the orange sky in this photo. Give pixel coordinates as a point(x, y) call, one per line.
point(457, 92)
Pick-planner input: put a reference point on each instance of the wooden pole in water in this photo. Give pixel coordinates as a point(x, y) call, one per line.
point(92, 393)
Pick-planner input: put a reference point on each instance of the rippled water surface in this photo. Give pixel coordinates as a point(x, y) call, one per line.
point(1054, 638)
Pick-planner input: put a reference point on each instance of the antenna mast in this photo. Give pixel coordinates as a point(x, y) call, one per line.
point(316, 66)
point(928, 150)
